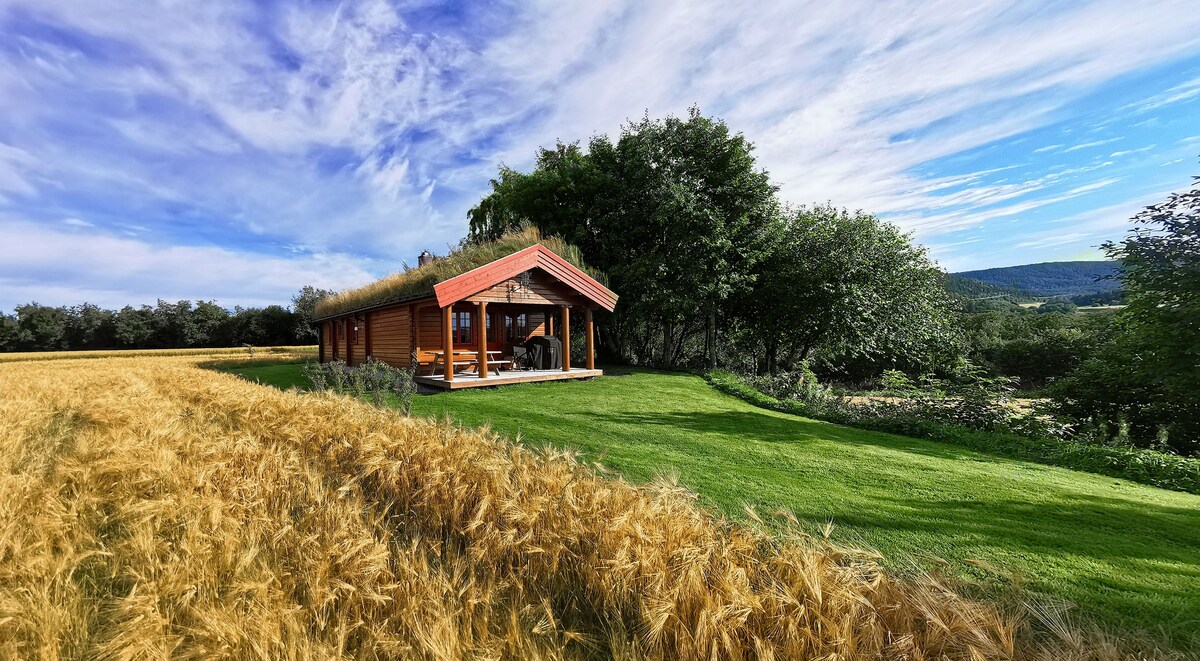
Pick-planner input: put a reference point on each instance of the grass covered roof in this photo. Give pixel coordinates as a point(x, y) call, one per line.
point(416, 282)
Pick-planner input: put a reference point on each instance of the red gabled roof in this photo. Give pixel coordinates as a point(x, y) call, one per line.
point(474, 281)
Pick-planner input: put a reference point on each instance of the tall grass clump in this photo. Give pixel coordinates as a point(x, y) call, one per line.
point(420, 280)
point(152, 509)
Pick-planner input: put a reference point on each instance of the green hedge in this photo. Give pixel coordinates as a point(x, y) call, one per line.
point(1160, 469)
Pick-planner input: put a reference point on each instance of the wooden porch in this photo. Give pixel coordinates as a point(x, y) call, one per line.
point(472, 379)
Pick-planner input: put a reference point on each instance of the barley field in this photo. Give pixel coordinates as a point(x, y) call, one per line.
point(150, 508)
point(117, 353)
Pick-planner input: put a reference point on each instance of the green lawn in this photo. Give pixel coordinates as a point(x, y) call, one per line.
point(1128, 555)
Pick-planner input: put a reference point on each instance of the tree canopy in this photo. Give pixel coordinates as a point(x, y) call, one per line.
point(1147, 378)
point(689, 230)
point(852, 289)
point(166, 325)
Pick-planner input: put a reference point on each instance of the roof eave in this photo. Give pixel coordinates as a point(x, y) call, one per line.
point(371, 306)
point(452, 290)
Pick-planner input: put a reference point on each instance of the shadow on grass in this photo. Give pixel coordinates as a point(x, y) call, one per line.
point(783, 428)
point(1111, 545)
point(1129, 558)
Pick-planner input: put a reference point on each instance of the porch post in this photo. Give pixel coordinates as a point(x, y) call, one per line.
point(589, 349)
point(321, 342)
point(549, 324)
point(566, 338)
point(448, 342)
point(483, 363)
point(349, 347)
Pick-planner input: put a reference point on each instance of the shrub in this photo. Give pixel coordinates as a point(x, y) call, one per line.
point(374, 380)
point(895, 382)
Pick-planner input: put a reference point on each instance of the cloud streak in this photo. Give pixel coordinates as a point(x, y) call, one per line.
point(282, 134)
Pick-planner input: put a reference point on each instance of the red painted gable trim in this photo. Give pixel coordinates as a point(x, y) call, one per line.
point(476, 280)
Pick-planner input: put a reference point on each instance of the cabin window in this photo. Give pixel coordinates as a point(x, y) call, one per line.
point(493, 332)
point(462, 327)
point(516, 327)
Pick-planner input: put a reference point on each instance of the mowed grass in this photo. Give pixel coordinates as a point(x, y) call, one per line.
point(1127, 555)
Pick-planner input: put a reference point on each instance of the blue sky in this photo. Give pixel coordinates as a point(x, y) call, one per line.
point(237, 151)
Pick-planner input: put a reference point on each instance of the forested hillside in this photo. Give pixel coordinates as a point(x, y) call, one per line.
point(971, 289)
point(1051, 278)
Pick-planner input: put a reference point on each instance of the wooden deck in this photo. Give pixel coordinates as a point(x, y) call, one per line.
point(471, 379)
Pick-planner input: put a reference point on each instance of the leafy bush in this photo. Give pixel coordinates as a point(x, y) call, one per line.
point(895, 382)
point(971, 398)
point(1027, 437)
point(1037, 348)
point(373, 379)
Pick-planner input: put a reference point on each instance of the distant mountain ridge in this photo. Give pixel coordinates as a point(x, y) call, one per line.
point(1050, 278)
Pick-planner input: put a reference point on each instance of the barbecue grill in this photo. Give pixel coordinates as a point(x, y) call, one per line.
point(543, 353)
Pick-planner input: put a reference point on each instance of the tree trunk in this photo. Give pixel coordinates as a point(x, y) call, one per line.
point(710, 340)
point(665, 358)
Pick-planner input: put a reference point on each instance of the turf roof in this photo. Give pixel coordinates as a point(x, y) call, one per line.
point(419, 281)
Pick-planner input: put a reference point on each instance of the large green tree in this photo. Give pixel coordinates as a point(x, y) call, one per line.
point(41, 328)
point(851, 290)
point(1148, 377)
point(10, 333)
point(304, 305)
point(675, 212)
point(89, 327)
point(133, 327)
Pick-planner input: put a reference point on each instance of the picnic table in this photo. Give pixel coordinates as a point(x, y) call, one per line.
point(494, 358)
point(440, 357)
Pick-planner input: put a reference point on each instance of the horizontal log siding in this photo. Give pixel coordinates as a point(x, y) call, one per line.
point(327, 340)
point(537, 323)
point(358, 340)
point(391, 336)
point(429, 332)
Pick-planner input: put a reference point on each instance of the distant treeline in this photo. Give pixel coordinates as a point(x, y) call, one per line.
point(971, 289)
point(166, 325)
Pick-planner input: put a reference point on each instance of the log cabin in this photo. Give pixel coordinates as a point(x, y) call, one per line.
point(489, 315)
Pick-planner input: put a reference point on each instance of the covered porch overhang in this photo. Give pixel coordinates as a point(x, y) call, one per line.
point(534, 278)
point(487, 360)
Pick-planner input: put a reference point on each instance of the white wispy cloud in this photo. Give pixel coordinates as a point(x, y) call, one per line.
point(1127, 152)
point(1052, 240)
point(1088, 145)
point(1182, 92)
point(115, 271)
point(15, 165)
point(354, 129)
